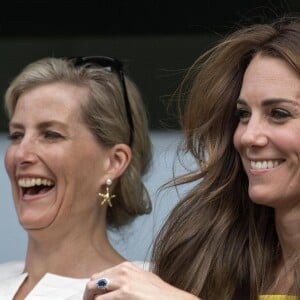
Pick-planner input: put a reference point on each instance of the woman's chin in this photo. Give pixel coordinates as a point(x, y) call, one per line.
point(34, 223)
point(262, 199)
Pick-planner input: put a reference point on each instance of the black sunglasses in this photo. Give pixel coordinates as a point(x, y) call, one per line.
point(113, 65)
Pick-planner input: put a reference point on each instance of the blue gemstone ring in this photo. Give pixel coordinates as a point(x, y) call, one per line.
point(102, 284)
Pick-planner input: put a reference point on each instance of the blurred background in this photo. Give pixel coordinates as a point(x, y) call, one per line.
point(157, 41)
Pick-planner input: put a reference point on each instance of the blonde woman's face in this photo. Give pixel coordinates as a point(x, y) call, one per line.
point(268, 134)
point(54, 163)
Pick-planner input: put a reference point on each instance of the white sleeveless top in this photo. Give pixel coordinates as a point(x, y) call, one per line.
point(50, 287)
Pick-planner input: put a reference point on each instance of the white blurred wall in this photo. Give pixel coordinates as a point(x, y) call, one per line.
point(134, 241)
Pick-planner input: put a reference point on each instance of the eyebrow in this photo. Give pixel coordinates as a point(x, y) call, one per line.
point(41, 125)
point(268, 102)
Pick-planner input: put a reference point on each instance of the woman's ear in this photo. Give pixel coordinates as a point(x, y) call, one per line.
point(119, 159)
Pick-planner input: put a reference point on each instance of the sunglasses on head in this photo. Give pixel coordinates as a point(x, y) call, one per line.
point(113, 65)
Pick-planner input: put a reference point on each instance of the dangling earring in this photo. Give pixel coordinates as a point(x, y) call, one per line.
point(107, 196)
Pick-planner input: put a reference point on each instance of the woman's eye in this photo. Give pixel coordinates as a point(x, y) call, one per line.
point(15, 136)
point(52, 135)
point(280, 114)
point(243, 114)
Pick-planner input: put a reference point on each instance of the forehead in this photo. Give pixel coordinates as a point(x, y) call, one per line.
point(271, 70)
point(51, 100)
point(270, 77)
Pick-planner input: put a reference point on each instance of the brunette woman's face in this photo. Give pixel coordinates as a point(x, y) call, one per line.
point(268, 134)
point(54, 163)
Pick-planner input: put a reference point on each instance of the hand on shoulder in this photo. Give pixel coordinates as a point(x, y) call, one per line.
point(127, 281)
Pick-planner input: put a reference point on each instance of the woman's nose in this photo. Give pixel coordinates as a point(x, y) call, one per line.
point(254, 134)
point(25, 152)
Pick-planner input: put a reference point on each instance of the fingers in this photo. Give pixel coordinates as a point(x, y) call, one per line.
point(110, 280)
point(103, 284)
point(97, 286)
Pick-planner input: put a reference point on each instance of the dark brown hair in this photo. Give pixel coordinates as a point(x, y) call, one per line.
point(216, 243)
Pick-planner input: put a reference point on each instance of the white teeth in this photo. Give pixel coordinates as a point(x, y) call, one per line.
point(264, 164)
point(30, 182)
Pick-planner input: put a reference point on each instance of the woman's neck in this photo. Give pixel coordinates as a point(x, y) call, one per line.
point(288, 231)
point(71, 255)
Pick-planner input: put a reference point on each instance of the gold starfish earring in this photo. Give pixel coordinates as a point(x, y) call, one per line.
point(107, 196)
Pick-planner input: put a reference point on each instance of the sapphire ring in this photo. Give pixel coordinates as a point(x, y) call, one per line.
point(102, 284)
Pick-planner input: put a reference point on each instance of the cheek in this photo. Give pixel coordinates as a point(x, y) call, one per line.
point(237, 139)
point(75, 170)
point(8, 161)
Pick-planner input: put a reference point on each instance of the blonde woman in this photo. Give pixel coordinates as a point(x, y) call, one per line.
point(79, 147)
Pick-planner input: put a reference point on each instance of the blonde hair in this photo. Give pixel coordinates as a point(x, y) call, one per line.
point(105, 115)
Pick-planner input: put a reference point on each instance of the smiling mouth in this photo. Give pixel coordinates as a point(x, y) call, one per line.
point(35, 186)
point(265, 164)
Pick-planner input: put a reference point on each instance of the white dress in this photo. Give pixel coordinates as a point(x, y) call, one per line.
point(50, 287)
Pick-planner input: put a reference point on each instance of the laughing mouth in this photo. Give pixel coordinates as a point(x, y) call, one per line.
point(35, 186)
point(265, 164)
